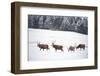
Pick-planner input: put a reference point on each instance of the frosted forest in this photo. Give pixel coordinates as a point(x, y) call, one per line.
point(61, 23)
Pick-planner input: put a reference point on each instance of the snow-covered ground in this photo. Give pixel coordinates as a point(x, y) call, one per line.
point(64, 38)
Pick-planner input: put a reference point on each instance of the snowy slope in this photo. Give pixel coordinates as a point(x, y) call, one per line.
point(64, 38)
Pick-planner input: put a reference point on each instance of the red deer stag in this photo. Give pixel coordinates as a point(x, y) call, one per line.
point(43, 46)
point(57, 47)
point(81, 46)
point(71, 48)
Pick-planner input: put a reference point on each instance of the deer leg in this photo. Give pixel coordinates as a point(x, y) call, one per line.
point(81, 49)
point(84, 48)
point(62, 50)
point(56, 50)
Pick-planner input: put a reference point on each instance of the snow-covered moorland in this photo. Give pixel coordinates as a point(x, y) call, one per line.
point(64, 38)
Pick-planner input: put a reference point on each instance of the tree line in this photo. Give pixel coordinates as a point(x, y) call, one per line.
point(61, 23)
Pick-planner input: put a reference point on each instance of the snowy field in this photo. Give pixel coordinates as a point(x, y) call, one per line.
point(64, 38)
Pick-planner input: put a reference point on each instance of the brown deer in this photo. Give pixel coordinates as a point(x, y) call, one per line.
point(81, 46)
point(57, 47)
point(43, 46)
point(71, 48)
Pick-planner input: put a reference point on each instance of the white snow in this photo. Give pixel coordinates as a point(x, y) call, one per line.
point(64, 38)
